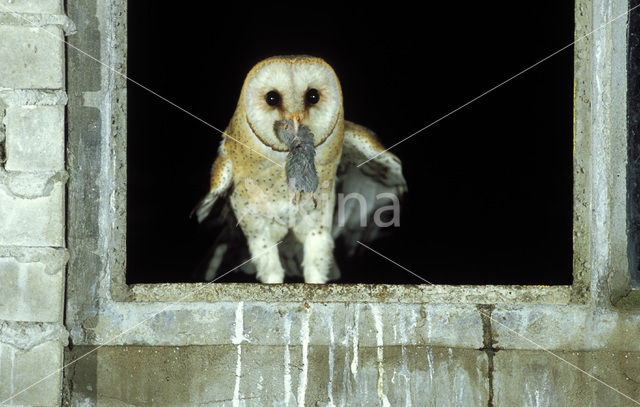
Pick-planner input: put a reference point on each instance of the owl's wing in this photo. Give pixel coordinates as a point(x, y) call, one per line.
point(221, 176)
point(375, 184)
point(229, 242)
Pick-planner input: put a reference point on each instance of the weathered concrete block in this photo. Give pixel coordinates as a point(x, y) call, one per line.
point(32, 97)
point(581, 328)
point(26, 335)
point(20, 369)
point(32, 289)
point(32, 221)
point(537, 378)
point(35, 138)
point(31, 6)
point(249, 375)
point(31, 57)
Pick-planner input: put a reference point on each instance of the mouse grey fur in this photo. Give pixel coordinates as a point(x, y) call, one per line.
point(300, 167)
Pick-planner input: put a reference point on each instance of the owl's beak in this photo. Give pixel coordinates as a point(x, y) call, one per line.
point(296, 118)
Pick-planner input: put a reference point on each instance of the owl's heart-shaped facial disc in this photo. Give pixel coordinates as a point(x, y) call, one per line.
point(302, 89)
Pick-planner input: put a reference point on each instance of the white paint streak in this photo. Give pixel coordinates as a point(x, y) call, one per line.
point(354, 339)
point(302, 381)
point(332, 346)
point(237, 340)
point(287, 361)
point(380, 353)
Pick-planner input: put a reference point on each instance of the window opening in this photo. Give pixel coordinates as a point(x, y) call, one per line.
point(490, 187)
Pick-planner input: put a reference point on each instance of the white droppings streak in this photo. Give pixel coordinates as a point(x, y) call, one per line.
point(346, 383)
point(429, 325)
point(236, 390)
point(430, 361)
point(354, 340)
point(302, 381)
point(380, 353)
point(237, 340)
point(287, 361)
point(404, 370)
point(331, 366)
point(12, 379)
point(239, 337)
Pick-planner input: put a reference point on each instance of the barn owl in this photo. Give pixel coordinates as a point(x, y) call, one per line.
point(284, 158)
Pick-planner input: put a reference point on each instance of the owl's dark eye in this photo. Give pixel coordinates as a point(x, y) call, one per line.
point(312, 97)
point(273, 98)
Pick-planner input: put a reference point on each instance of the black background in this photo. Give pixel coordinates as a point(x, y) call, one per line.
point(490, 187)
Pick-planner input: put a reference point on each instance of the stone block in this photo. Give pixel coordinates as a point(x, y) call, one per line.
point(564, 327)
point(31, 6)
point(32, 221)
point(250, 375)
point(31, 57)
point(31, 290)
point(20, 369)
point(34, 138)
point(537, 378)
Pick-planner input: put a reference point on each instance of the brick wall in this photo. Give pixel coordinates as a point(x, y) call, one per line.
point(32, 200)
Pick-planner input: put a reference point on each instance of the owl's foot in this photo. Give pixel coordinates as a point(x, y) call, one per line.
point(269, 269)
point(270, 278)
point(315, 277)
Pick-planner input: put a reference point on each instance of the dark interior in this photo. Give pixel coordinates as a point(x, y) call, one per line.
point(490, 187)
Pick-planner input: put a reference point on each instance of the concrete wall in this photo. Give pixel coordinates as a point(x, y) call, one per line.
point(32, 200)
point(254, 345)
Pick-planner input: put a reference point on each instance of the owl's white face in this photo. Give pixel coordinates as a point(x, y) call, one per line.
point(303, 89)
